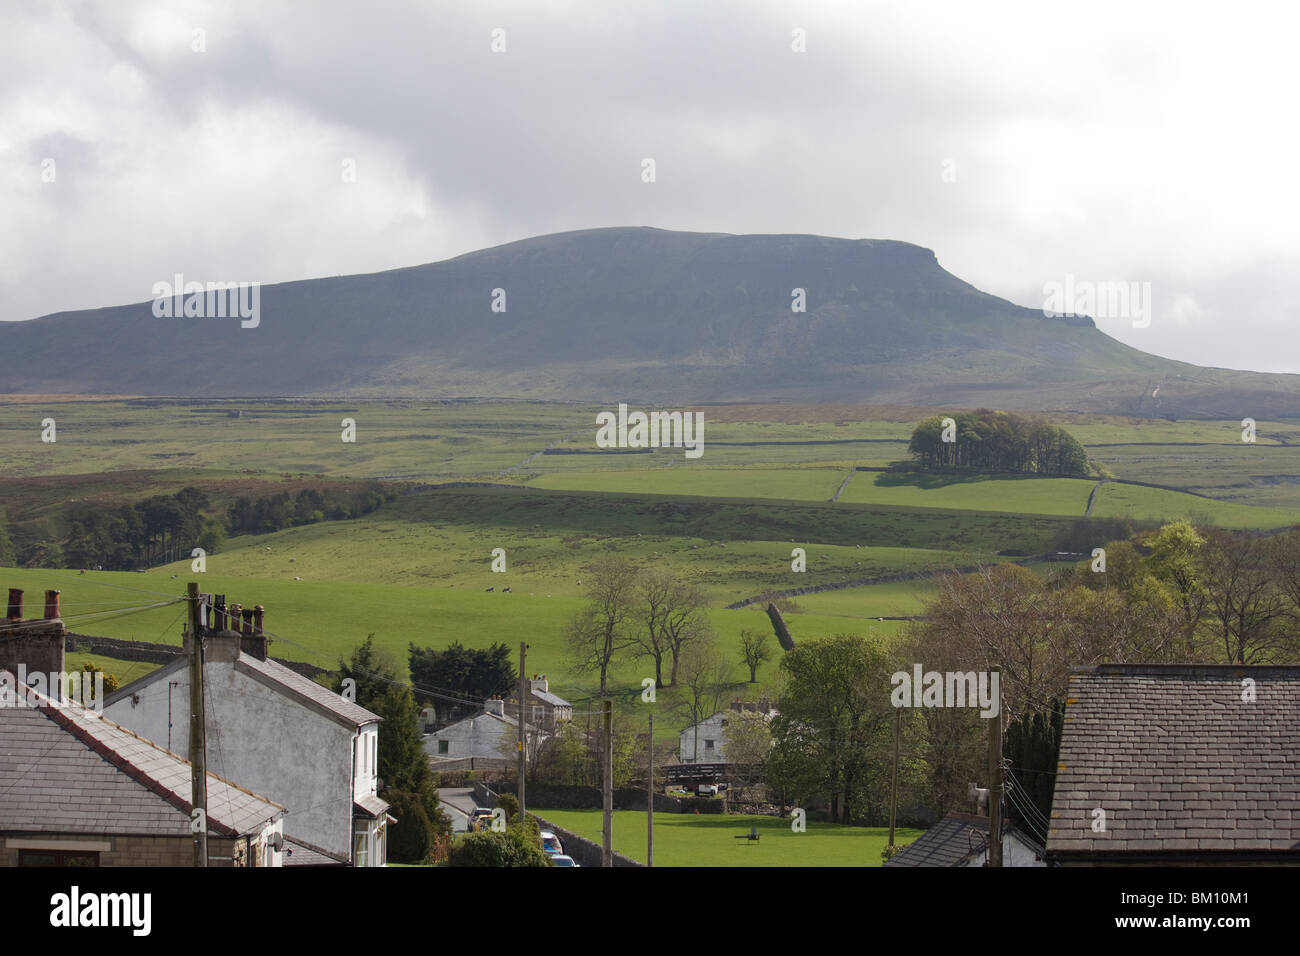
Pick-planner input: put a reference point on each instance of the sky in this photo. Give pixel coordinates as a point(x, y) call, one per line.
point(1025, 143)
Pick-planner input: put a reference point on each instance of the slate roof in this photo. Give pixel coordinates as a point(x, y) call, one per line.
point(67, 770)
point(369, 805)
point(289, 682)
point(555, 700)
point(297, 853)
point(1180, 763)
point(952, 841)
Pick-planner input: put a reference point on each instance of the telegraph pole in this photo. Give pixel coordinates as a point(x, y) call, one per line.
point(198, 734)
point(650, 799)
point(995, 779)
point(893, 786)
point(607, 827)
point(523, 738)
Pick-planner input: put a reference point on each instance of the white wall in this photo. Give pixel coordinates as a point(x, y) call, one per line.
point(262, 741)
point(709, 729)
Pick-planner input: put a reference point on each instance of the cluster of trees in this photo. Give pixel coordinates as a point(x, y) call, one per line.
point(157, 529)
point(165, 528)
point(639, 613)
point(310, 505)
point(457, 671)
point(986, 440)
point(405, 780)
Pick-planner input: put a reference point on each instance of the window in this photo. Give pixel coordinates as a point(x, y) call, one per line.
point(361, 844)
point(57, 858)
point(708, 744)
point(443, 746)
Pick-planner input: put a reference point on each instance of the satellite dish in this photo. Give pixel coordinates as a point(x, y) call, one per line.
point(277, 842)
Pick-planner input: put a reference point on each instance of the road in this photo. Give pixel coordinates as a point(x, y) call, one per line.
point(458, 802)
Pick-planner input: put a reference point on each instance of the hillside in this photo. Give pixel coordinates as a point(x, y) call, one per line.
point(638, 314)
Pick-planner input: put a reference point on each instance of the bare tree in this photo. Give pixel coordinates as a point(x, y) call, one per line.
point(657, 592)
point(754, 651)
point(602, 629)
point(1245, 605)
point(683, 622)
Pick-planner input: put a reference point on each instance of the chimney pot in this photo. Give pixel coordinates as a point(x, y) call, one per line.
point(52, 605)
point(15, 612)
point(233, 611)
point(258, 613)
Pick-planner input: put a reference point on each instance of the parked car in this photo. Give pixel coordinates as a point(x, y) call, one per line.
point(560, 859)
point(480, 818)
point(707, 790)
point(551, 843)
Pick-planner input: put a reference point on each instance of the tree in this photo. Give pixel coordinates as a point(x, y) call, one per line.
point(410, 840)
point(600, 631)
point(835, 723)
point(565, 758)
point(514, 846)
point(1175, 561)
point(472, 673)
point(655, 590)
point(753, 651)
point(1244, 603)
point(747, 742)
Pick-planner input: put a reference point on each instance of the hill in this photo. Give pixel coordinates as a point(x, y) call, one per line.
point(639, 314)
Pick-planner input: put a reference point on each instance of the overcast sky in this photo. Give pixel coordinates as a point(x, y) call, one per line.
point(1022, 142)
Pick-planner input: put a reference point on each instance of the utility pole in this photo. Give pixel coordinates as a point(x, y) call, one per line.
point(523, 737)
point(198, 734)
point(607, 827)
point(893, 786)
point(995, 778)
point(650, 799)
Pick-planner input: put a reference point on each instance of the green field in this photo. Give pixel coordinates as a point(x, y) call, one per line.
point(1029, 495)
point(708, 840)
point(1140, 502)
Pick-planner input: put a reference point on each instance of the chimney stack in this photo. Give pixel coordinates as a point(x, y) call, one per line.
point(495, 705)
point(253, 639)
point(52, 606)
point(15, 604)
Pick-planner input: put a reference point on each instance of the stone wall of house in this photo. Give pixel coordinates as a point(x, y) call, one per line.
point(141, 850)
